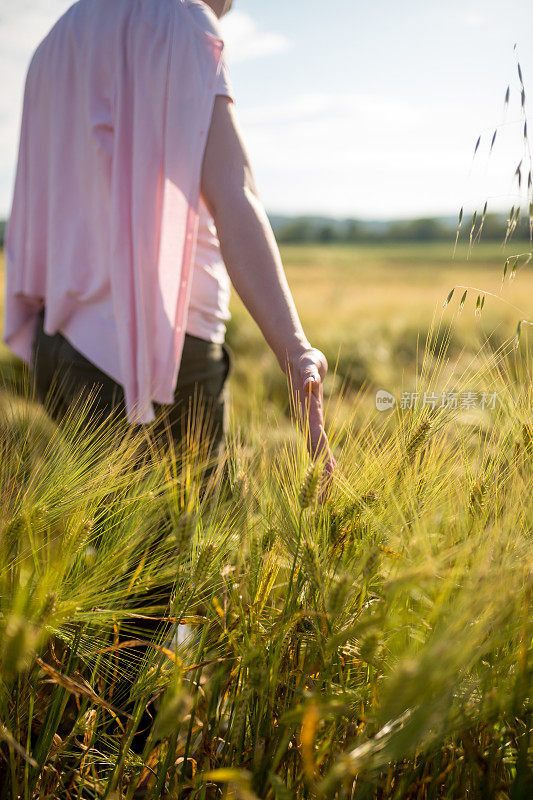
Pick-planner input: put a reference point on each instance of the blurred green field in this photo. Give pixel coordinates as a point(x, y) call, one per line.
point(370, 307)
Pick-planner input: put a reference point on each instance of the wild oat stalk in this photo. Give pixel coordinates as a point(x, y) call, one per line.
point(525, 189)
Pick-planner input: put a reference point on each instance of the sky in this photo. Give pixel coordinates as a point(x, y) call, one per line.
point(350, 108)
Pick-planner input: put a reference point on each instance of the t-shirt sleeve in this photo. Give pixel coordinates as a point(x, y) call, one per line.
point(223, 85)
point(205, 19)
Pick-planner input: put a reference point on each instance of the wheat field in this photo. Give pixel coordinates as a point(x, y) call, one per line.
point(375, 646)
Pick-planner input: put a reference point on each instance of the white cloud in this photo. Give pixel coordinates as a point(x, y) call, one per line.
point(345, 106)
point(375, 155)
point(459, 18)
point(244, 40)
point(473, 19)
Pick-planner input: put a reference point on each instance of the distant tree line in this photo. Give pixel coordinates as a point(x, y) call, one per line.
point(427, 229)
point(320, 230)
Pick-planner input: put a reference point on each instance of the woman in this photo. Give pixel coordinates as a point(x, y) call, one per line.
point(134, 206)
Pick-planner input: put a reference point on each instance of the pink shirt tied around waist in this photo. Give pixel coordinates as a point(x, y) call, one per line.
point(104, 222)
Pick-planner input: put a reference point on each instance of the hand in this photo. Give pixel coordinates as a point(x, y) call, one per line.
point(307, 372)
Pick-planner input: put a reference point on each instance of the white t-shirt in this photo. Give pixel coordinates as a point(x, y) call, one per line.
point(210, 283)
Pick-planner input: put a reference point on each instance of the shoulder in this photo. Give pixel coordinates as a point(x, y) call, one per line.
point(202, 17)
point(57, 33)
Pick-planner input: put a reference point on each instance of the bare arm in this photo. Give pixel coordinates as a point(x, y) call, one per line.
point(248, 245)
point(254, 264)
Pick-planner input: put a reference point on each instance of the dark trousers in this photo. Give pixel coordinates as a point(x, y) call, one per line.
point(63, 376)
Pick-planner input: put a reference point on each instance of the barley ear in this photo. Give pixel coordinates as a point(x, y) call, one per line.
point(308, 487)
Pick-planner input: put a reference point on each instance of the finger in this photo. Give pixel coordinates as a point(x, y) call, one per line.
point(309, 418)
point(312, 420)
point(317, 438)
point(307, 406)
point(321, 363)
point(311, 379)
point(311, 395)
